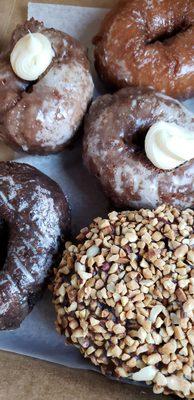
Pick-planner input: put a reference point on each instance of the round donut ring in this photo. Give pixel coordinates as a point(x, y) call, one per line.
point(115, 130)
point(107, 305)
point(42, 117)
point(148, 43)
point(34, 217)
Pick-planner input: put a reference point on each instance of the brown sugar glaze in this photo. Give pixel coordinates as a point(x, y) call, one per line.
point(148, 43)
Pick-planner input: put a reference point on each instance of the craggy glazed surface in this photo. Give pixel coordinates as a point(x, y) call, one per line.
point(148, 43)
point(34, 218)
point(114, 149)
point(42, 117)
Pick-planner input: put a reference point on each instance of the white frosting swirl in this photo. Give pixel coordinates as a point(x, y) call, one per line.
point(31, 56)
point(168, 145)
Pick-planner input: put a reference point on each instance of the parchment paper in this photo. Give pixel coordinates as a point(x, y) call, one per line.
point(37, 337)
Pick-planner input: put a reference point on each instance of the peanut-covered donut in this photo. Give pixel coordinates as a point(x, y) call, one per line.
point(114, 149)
point(34, 217)
point(148, 43)
point(42, 116)
point(124, 296)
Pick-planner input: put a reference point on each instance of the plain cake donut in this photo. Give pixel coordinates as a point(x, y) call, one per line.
point(114, 152)
point(148, 43)
point(34, 217)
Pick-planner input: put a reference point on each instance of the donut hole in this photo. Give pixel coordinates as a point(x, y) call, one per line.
point(4, 239)
point(136, 140)
point(30, 88)
point(164, 37)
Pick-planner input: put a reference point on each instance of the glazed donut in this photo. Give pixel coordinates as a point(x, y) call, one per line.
point(34, 217)
point(148, 43)
point(124, 296)
point(42, 116)
point(115, 131)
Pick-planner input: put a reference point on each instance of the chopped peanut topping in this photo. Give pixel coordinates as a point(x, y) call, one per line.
point(124, 295)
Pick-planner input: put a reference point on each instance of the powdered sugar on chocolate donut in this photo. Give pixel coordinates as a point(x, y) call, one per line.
point(114, 151)
point(41, 117)
point(59, 117)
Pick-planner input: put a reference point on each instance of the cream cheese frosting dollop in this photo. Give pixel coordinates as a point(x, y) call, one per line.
point(168, 145)
point(31, 56)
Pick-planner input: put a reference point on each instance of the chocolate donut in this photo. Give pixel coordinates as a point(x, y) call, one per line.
point(124, 296)
point(42, 117)
point(148, 44)
point(115, 130)
point(34, 217)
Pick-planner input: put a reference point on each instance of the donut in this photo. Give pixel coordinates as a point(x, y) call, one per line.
point(34, 219)
point(42, 116)
point(123, 295)
point(114, 151)
point(148, 43)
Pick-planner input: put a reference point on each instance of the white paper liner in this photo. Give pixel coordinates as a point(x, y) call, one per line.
point(37, 337)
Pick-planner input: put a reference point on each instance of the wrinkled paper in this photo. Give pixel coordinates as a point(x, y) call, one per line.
point(37, 337)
